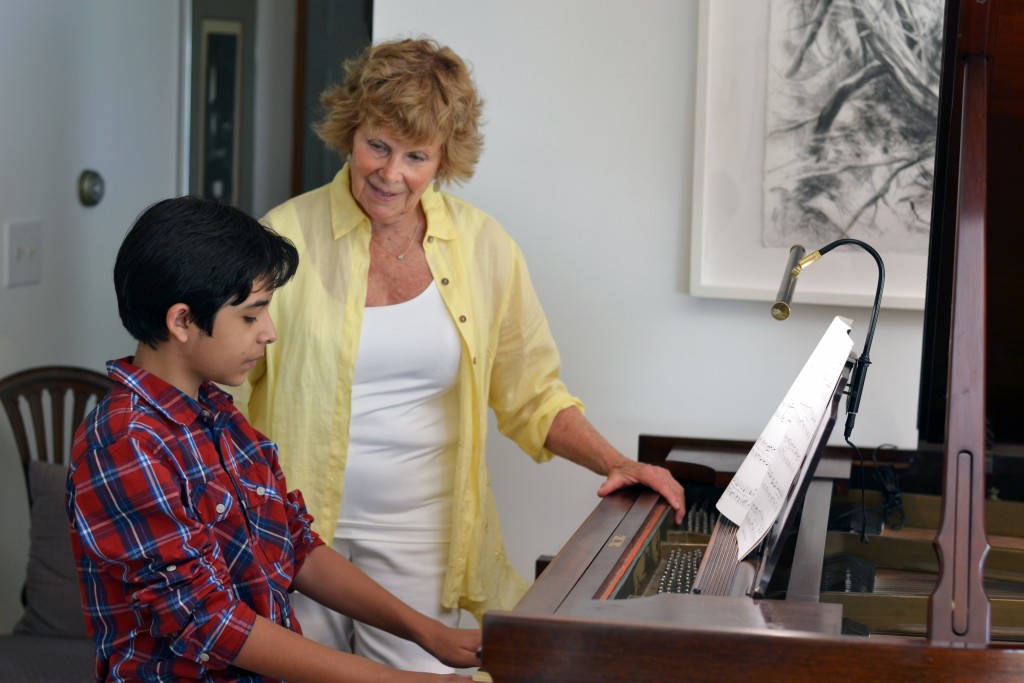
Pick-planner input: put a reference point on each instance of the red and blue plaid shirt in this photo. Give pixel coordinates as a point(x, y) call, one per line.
point(183, 531)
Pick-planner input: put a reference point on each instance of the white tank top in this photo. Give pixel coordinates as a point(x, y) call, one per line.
point(404, 429)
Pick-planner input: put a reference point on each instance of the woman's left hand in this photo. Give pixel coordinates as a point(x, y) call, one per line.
point(574, 438)
point(629, 472)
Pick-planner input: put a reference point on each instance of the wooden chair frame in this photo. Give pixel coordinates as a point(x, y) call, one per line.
point(45, 389)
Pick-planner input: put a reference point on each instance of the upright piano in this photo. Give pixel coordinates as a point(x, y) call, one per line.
point(908, 565)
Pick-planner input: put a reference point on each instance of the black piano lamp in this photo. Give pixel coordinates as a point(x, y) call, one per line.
point(781, 308)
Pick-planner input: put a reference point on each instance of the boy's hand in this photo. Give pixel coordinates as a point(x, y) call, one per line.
point(455, 647)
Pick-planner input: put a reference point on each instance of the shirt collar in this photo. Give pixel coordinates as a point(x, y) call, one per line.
point(168, 399)
point(347, 215)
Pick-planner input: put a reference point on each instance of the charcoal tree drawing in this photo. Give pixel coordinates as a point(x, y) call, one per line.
point(852, 97)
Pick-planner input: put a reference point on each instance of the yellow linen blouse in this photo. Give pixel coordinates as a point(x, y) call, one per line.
point(300, 394)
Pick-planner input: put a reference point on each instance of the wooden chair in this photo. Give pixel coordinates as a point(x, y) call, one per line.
point(45, 405)
point(46, 392)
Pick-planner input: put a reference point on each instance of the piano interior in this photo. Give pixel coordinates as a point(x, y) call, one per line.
point(616, 603)
point(884, 580)
point(881, 578)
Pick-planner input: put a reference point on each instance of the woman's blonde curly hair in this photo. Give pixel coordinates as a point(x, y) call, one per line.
point(420, 91)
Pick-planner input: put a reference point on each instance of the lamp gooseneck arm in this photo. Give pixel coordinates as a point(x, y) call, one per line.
point(861, 368)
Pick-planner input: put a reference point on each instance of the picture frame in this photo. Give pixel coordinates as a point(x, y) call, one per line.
point(728, 258)
point(218, 118)
point(220, 112)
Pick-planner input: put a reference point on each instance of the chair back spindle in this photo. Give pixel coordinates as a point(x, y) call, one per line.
point(37, 403)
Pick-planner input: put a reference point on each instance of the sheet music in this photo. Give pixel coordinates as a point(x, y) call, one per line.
point(757, 493)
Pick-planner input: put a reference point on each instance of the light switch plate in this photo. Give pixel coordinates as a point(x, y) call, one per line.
point(24, 257)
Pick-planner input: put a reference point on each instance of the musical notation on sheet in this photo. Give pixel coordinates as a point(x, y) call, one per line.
point(758, 491)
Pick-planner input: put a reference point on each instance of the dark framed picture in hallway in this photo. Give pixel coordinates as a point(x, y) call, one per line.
point(219, 76)
point(220, 114)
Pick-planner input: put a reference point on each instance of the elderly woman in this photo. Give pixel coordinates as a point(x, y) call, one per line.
point(412, 312)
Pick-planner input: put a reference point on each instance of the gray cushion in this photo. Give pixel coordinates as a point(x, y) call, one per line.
point(39, 659)
point(54, 602)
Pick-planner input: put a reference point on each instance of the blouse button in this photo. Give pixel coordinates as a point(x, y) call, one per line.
point(203, 657)
point(462, 318)
point(430, 239)
point(444, 281)
point(260, 491)
point(171, 567)
point(220, 508)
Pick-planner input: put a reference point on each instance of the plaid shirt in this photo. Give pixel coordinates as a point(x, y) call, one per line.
point(183, 531)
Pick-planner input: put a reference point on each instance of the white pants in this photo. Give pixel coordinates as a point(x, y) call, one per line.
point(414, 572)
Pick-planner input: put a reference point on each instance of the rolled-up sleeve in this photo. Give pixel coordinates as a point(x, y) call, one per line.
point(304, 539)
point(526, 389)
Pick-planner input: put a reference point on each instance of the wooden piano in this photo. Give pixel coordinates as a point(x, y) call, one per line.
point(937, 592)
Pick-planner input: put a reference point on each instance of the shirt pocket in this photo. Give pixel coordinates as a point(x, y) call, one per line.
point(214, 503)
point(256, 484)
point(267, 513)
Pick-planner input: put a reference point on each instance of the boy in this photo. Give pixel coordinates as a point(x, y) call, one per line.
point(186, 538)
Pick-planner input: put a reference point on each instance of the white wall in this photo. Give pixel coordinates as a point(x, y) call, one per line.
point(95, 84)
point(84, 85)
point(275, 63)
point(587, 163)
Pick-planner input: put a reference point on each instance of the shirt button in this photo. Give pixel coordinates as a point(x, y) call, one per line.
point(203, 657)
point(430, 239)
point(220, 508)
point(260, 491)
point(444, 281)
point(171, 567)
point(462, 318)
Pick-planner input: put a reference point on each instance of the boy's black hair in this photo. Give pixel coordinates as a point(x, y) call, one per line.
point(198, 252)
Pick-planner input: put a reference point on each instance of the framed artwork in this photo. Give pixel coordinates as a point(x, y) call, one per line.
point(815, 121)
point(219, 39)
point(220, 115)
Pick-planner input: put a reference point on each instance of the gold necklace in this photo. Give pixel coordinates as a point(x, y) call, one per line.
point(401, 256)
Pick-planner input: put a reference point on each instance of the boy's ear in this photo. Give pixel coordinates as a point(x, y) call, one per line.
point(179, 322)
